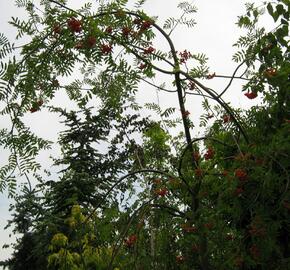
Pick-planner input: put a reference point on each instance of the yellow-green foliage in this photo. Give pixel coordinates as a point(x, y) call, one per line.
point(78, 250)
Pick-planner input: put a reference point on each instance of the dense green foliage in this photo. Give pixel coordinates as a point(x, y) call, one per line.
point(129, 194)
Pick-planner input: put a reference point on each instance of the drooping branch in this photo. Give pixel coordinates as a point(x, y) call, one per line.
point(146, 61)
point(66, 7)
point(122, 236)
point(122, 179)
point(177, 72)
point(231, 80)
point(153, 54)
point(172, 211)
point(186, 148)
point(221, 102)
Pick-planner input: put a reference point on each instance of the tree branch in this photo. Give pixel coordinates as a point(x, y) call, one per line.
point(231, 80)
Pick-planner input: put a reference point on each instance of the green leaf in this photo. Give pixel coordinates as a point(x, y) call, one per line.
point(280, 9)
point(270, 9)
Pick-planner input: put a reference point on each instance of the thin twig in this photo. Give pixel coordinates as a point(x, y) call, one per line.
point(231, 80)
point(119, 181)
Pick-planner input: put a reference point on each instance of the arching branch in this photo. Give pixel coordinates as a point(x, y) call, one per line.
point(221, 102)
point(194, 141)
point(231, 80)
point(125, 177)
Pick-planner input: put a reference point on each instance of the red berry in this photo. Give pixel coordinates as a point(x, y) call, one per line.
point(241, 174)
point(137, 21)
point(32, 110)
point(145, 25)
point(270, 72)
point(109, 30)
point(210, 76)
point(157, 181)
point(179, 259)
point(149, 50)
point(133, 238)
point(184, 56)
point(161, 192)
point(238, 192)
point(130, 241)
point(185, 113)
point(106, 48)
point(40, 102)
point(225, 173)
point(142, 66)
point(251, 95)
point(226, 118)
point(209, 154)
point(191, 86)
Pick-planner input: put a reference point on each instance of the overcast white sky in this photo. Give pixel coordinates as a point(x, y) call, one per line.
point(213, 35)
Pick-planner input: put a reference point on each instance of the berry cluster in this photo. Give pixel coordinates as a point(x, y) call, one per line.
point(185, 113)
point(270, 72)
point(36, 106)
point(142, 66)
point(209, 153)
point(184, 56)
point(191, 86)
point(126, 31)
point(106, 48)
point(149, 50)
point(130, 241)
point(241, 174)
point(161, 192)
point(226, 118)
point(74, 25)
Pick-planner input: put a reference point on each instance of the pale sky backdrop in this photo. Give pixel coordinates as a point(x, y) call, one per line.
point(213, 35)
